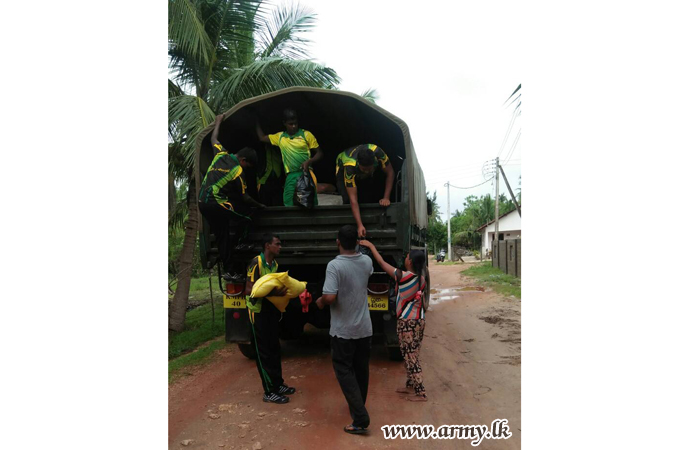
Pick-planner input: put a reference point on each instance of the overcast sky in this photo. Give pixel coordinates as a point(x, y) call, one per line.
point(445, 71)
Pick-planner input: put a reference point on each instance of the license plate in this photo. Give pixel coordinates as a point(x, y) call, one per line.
point(378, 302)
point(234, 302)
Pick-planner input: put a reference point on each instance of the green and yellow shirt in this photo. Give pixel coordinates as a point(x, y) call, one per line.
point(295, 149)
point(258, 267)
point(347, 162)
point(224, 181)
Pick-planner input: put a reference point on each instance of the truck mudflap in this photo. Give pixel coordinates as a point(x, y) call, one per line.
point(237, 325)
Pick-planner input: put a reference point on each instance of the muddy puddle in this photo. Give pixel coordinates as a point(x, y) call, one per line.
point(441, 295)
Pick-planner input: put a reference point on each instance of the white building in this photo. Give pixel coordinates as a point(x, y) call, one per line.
point(508, 228)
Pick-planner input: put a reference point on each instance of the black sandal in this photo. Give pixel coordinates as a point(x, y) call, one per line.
point(352, 429)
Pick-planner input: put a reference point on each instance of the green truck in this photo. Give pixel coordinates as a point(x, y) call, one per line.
point(338, 120)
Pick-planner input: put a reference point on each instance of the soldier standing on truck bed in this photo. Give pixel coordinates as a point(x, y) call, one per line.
point(355, 167)
point(295, 145)
point(264, 321)
point(223, 198)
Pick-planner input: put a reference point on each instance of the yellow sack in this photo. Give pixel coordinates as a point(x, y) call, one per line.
point(267, 283)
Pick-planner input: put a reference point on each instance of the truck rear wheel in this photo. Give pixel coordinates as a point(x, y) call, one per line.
point(248, 350)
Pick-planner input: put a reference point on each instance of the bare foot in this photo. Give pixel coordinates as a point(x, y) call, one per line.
point(417, 398)
point(402, 390)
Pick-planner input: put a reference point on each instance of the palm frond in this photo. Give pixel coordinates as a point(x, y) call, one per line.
point(176, 163)
point(370, 94)
point(268, 75)
point(186, 30)
point(177, 220)
point(283, 33)
point(173, 89)
point(229, 26)
point(187, 116)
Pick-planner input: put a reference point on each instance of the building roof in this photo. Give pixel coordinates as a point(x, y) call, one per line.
point(499, 218)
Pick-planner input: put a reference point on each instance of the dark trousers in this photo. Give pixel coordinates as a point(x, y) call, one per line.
point(351, 365)
point(369, 190)
point(267, 344)
point(223, 222)
point(270, 193)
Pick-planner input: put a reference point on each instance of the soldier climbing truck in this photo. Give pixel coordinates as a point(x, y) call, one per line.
point(339, 120)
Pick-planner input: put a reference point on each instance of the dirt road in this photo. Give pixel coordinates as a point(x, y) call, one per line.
point(471, 370)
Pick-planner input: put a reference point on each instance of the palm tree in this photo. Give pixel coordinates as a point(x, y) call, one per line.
point(222, 52)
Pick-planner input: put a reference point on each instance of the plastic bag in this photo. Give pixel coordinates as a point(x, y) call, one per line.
point(305, 192)
point(267, 283)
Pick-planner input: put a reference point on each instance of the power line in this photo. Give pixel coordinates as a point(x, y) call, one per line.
point(442, 183)
point(512, 147)
point(461, 175)
point(510, 127)
point(449, 170)
point(442, 173)
point(470, 187)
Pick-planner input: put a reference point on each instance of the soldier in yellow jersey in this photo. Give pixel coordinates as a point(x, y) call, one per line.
point(296, 146)
point(354, 168)
point(223, 198)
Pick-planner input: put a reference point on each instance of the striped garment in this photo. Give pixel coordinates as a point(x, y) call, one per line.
point(224, 182)
point(409, 304)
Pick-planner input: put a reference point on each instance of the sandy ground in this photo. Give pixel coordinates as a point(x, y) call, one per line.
point(471, 370)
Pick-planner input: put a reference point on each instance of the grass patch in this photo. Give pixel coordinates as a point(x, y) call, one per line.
point(198, 328)
point(201, 356)
point(201, 337)
point(199, 289)
point(494, 278)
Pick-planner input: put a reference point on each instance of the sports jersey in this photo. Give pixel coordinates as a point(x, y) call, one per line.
point(295, 149)
point(224, 180)
point(347, 161)
point(273, 165)
point(257, 268)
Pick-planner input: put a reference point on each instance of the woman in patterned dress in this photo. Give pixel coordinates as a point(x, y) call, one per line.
point(410, 316)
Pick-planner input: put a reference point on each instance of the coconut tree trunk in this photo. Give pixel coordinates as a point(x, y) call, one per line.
point(178, 307)
point(172, 194)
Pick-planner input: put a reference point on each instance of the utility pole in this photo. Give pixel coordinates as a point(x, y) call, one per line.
point(449, 229)
point(510, 190)
point(495, 237)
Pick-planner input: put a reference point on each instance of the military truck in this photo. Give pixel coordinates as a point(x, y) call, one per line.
point(339, 120)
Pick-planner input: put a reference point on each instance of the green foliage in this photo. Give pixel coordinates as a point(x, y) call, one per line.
point(222, 52)
point(201, 356)
point(462, 238)
point(437, 230)
point(199, 288)
point(477, 212)
point(225, 52)
point(370, 94)
point(176, 239)
point(493, 277)
point(198, 328)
